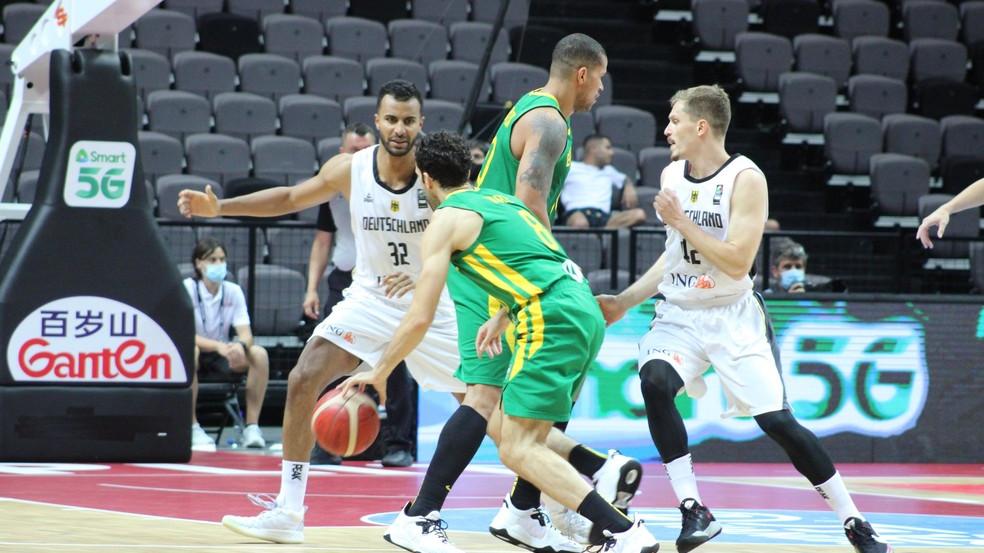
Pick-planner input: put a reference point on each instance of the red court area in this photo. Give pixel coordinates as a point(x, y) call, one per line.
point(214, 484)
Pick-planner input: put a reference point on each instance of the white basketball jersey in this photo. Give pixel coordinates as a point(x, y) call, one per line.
point(690, 281)
point(343, 255)
point(388, 225)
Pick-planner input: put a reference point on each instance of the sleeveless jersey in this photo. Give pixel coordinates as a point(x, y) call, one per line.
point(690, 281)
point(387, 224)
point(500, 167)
point(515, 258)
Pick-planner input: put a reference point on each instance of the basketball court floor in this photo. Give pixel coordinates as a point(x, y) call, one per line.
point(764, 508)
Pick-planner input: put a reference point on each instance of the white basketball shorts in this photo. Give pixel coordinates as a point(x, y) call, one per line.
point(735, 339)
point(363, 323)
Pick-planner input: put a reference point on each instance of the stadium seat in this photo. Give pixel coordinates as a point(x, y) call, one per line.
point(935, 58)
point(418, 41)
point(760, 58)
point(452, 80)
point(160, 154)
point(204, 73)
point(178, 113)
point(333, 78)
point(294, 36)
point(630, 128)
point(284, 159)
point(485, 11)
point(962, 136)
point(309, 117)
point(194, 8)
point(512, 80)
point(244, 115)
point(876, 96)
point(444, 12)
point(164, 31)
point(276, 290)
point(875, 55)
point(823, 55)
point(929, 19)
point(228, 34)
point(897, 183)
point(217, 157)
point(805, 99)
point(442, 115)
point(356, 38)
point(255, 9)
point(360, 109)
point(469, 38)
point(850, 139)
point(718, 22)
point(322, 10)
point(151, 71)
point(854, 18)
point(912, 135)
point(269, 75)
point(381, 70)
point(652, 161)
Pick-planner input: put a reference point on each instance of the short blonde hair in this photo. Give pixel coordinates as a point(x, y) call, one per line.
point(708, 102)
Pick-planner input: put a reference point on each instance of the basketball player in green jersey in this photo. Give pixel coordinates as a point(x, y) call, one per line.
point(495, 241)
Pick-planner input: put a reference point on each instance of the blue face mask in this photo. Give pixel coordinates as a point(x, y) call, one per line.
point(790, 277)
point(216, 272)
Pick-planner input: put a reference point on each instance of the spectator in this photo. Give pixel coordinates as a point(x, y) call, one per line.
point(477, 149)
point(787, 266)
point(399, 406)
point(219, 307)
point(590, 187)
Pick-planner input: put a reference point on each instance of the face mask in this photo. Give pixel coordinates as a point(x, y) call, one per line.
point(790, 277)
point(476, 168)
point(216, 272)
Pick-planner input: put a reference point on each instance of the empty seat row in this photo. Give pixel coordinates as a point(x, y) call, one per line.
point(438, 11)
point(850, 139)
point(761, 58)
point(297, 37)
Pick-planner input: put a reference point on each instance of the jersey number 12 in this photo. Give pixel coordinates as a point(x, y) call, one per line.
point(690, 256)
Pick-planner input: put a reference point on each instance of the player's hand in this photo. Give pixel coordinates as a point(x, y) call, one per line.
point(668, 207)
point(358, 382)
point(312, 305)
point(611, 308)
point(939, 218)
point(488, 339)
point(398, 284)
point(192, 203)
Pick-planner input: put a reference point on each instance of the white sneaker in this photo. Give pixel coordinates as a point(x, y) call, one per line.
point(200, 441)
point(420, 534)
point(530, 529)
point(252, 437)
point(275, 524)
point(618, 480)
point(571, 524)
point(634, 540)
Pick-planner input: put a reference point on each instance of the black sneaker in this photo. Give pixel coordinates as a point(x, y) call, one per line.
point(699, 526)
point(322, 457)
point(864, 538)
point(397, 458)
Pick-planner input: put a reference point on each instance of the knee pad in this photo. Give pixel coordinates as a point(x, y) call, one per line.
point(659, 379)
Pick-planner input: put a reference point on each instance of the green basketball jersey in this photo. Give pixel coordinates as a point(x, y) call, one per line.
point(500, 167)
point(515, 258)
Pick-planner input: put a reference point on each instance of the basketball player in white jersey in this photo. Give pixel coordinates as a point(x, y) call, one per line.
point(389, 214)
point(714, 205)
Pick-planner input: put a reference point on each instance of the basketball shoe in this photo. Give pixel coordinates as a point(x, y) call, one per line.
point(252, 437)
point(275, 524)
point(618, 480)
point(699, 525)
point(864, 538)
point(571, 524)
point(420, 534)
point(530, 529)
point(634, 540)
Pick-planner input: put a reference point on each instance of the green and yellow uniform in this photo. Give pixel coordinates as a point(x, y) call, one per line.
point(558, 327)
point(473, 306)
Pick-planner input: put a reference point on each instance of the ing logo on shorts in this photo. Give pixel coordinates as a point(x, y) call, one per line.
point(342, 333)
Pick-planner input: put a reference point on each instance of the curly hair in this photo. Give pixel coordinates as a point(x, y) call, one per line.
point(445, 157)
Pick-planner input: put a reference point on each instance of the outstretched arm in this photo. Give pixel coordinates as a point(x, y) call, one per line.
point(540, 138)
point(969, 197)
point(330, 180)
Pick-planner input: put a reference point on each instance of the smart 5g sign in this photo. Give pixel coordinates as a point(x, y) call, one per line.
point(99, 174)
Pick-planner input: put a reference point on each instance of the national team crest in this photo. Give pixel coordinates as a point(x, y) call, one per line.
point(718, 192)
point(693, 196)
point(395, 206)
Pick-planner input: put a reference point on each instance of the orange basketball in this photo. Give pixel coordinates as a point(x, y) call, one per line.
point(345, 426)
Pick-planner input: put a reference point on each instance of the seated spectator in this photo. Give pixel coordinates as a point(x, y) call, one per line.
point(477, 149)
point(220, 305)
point(591, 185)
point(787, 266)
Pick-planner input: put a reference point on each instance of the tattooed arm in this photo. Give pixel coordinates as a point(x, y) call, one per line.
point(538, 140)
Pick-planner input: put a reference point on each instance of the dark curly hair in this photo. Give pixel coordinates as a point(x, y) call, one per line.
point(444, 156)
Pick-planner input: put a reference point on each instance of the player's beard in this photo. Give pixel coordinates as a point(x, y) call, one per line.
point(398, 153)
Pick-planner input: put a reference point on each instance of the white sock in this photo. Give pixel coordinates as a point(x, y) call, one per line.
point(682, 478)
point(835, 493)
point(293, 485)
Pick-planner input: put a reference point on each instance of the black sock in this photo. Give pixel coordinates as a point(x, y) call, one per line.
point(524, 495)
point(459, 440)
point(602, 514)
point(561, 425)
point(586, 460)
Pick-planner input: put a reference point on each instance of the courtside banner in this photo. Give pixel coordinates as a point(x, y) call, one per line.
point(879, 380)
